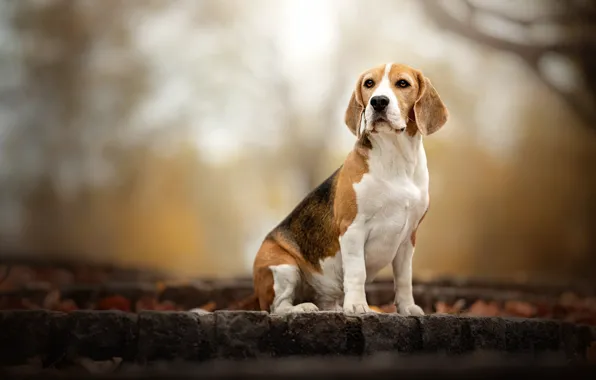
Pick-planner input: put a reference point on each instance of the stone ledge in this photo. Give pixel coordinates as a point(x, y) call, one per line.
point(453, 298)
point(53, 338)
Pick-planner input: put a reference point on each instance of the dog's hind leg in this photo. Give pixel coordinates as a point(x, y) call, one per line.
point(277, 281)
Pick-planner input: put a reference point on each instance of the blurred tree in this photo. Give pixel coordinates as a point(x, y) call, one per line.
point(85, 193)
point(570, 24)
point(549, 186)
point(115, 173)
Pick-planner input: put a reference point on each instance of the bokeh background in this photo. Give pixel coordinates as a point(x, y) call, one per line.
point(174, 134)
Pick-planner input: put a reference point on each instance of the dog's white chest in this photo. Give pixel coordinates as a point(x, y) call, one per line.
point(391, 211)
point(391, 200)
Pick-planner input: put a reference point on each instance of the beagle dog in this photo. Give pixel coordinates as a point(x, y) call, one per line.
point(366, 214)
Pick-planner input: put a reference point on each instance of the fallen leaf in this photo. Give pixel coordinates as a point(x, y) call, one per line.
point(66, 306)
point(210, 306)
point(484, 309)
point(376, 309)
point(520, 309)
point(444, 308)
point(146, 303)
point(113, 303)
point(544, 310)
point(389, 308)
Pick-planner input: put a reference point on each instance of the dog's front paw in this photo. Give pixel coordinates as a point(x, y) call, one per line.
point(304, 308)
point(410, 310)
point(358, 308)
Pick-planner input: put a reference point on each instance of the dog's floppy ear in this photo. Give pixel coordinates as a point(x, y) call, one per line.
point(429, 110)
point(355, 109)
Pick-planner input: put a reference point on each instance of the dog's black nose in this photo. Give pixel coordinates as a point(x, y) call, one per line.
point(379, 103)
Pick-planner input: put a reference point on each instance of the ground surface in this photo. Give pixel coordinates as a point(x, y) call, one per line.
point(106, 339)
point(82, 287)
point(73, 320)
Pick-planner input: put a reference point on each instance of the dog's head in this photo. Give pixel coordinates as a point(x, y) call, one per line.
point(387, 97)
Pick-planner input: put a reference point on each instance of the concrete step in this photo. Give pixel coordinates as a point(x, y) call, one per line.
point(41, 339)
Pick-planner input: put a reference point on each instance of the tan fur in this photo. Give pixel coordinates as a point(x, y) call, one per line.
point(354, 168)
point(270, 253)
point(429, 111)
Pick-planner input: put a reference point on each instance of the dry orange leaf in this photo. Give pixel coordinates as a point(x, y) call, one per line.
point(520, 309)
point(484, 309)
point(114, 303)
point(66, 306)
point(390, 308)
point(444, 308)
point(210, 306)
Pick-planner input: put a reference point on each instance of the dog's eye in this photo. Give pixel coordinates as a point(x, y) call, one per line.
point(369, 83)
point(402, 83)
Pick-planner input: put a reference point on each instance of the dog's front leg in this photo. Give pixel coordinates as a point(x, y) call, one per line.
point(402, 280)
point(354, 270)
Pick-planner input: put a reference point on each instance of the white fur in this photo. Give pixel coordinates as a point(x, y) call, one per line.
point(328, 283)
point(391, 198)
point(199, 311)
point(286, 285)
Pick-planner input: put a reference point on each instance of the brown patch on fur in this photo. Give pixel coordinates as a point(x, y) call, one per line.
point(411, 127)
point(270, 253)
point(429, 110)
point(364, 142)
point(289, 246)
point(413, 236)
point(309, 232)
point(354, 167)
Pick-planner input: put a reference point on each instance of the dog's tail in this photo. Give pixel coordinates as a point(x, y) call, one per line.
point(250, 303)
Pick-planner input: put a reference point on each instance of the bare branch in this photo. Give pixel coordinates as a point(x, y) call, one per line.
point(587, 16)
point(442, 18)
point(575, 100)
point(531, 54)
